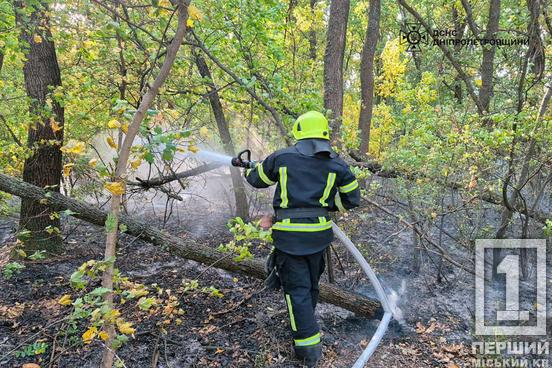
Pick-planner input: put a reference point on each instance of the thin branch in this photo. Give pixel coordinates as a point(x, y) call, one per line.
point(421, 234)
point(252, 93)
point(469, 17)
point(161, 180)
point(16, 140)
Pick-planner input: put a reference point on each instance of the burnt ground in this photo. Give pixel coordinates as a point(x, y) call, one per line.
point(248, 327)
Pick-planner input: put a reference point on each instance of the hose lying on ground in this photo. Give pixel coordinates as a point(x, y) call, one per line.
point(388, 313)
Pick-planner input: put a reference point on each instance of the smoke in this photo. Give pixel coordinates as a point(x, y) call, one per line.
point(394, 297)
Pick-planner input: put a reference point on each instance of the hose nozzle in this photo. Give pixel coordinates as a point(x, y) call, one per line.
point(245, 162)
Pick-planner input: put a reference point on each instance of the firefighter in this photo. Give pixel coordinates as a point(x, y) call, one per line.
point(311, 179)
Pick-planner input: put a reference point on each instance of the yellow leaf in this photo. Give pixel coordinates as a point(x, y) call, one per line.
point(55, 125)
point(193, 148)
point(21, 253)
point(65, 300)
point(112, 315)
point(103, 335)
point(113, 124)
point(95, 314)
point(93, 162)
point(135, 164)
point(195, 13)
point(125, 327)
point(431, 328)
point(420, 327)
point(89, 335)
point(190, 23)
point(204, 132)
point(88, 44)
point(124, 128)
point(478, 82)
point(74, 147)
point(111, 142)
point(115, 187)
point(37, 39)
point(67, 169)
point(138, 292)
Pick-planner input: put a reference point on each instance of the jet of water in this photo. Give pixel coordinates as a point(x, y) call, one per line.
point(214, 157)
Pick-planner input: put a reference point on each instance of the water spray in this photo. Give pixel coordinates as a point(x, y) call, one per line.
point(243, 159)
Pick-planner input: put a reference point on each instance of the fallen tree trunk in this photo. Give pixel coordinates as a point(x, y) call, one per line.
point(189, 250)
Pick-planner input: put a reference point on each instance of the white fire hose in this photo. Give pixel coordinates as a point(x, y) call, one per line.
point(388, 313)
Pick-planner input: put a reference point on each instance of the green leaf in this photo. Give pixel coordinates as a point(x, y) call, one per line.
point(100, 291)
point(38, 255)
point(119, 341)
point(24, 235)
point(69, 213)
point(145, 303)
point(149, 157)
point(168, 154)
point(77, 280)
point(110, 223)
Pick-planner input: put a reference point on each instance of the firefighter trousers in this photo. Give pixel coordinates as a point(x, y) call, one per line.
point(300, 276)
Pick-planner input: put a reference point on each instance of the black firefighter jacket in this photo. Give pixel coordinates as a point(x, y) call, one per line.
point(307, 175)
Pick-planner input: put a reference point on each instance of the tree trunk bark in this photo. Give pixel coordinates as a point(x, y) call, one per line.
point(177, 246)
point(44, 140)
point(312, 32)
point(333, 64)
point(487, 64)
point(459, 28)
point(242, 207)
point(417, 247)
point(367, 75)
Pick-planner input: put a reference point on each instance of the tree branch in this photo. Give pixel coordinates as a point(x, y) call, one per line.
point(252, 93)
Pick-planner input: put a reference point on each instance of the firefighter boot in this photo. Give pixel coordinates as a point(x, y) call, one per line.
point(309, 355)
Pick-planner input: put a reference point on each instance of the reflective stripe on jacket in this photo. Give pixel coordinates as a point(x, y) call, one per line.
point(306, 175)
